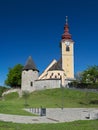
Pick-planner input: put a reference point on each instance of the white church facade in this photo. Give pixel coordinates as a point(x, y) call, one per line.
point(57, 74)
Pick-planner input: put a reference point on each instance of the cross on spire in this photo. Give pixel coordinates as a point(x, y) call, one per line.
point(66, 19)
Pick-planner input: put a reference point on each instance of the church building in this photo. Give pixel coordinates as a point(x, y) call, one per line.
point(57, 74)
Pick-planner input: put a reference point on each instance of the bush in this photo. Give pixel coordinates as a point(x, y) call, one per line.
point(2, 89)
point(84, 85)
point(94, 102)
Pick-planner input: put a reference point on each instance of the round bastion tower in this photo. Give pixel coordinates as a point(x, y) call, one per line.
point(29, 74)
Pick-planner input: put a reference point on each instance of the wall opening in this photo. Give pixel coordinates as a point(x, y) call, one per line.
point(67, 48)
point(31, 84)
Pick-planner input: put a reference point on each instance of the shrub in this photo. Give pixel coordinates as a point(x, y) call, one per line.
point(84, 85)
point(2, 89)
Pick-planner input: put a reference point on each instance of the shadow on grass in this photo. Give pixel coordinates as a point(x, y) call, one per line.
point(94, 102)
point(26, 105)
point(83, 103)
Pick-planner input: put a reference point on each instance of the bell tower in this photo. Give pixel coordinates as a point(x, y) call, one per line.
point(67, 52)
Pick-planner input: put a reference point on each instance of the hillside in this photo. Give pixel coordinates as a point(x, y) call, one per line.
point(55, 98)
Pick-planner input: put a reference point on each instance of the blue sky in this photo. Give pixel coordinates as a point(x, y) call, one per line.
point(34, 27)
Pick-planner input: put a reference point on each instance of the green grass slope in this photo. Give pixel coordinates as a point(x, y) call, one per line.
point(53, 98)
point(76, 125)
point(69, 98)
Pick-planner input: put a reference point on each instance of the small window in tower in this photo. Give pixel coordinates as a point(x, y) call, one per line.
point(31, 83)
point(67, 48)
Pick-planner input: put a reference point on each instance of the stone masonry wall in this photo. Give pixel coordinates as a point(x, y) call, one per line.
point(47, 84)
point(28, 79)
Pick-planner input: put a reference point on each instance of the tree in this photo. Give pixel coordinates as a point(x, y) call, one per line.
point(14, 76)
point(78, 76)
point(25, 95)
point(2, 89)
point(90, 75)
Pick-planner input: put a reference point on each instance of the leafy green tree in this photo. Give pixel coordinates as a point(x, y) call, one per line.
point(90, 75)
point(78, 76)
point(14, 76)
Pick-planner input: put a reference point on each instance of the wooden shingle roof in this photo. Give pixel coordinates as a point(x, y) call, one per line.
point(30, 65)
point(57, 66)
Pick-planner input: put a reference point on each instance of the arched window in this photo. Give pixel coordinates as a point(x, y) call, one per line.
point(51, 75)
point(55, 77)
point(58, 73)
point(67, 48)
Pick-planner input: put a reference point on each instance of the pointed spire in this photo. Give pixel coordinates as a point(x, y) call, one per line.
point(66, 34)
point(30, 65)
point(66, 19)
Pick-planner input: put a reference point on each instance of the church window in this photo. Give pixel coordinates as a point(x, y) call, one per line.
point(58, 73)
point(67, 48)
point(31, 83)
point(55, 77)
point(50, 77)
point(52, 74)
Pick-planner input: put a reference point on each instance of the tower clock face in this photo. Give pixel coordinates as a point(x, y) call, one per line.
point(67, 43)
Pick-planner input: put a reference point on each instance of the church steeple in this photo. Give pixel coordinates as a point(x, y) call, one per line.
point(66, 35)
point(67, 52)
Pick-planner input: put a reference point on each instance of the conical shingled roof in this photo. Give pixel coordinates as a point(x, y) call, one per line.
point(57, 66)
point(30, 65)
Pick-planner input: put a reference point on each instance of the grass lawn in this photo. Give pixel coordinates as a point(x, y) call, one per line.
point(12, 104)
point(76, 125)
